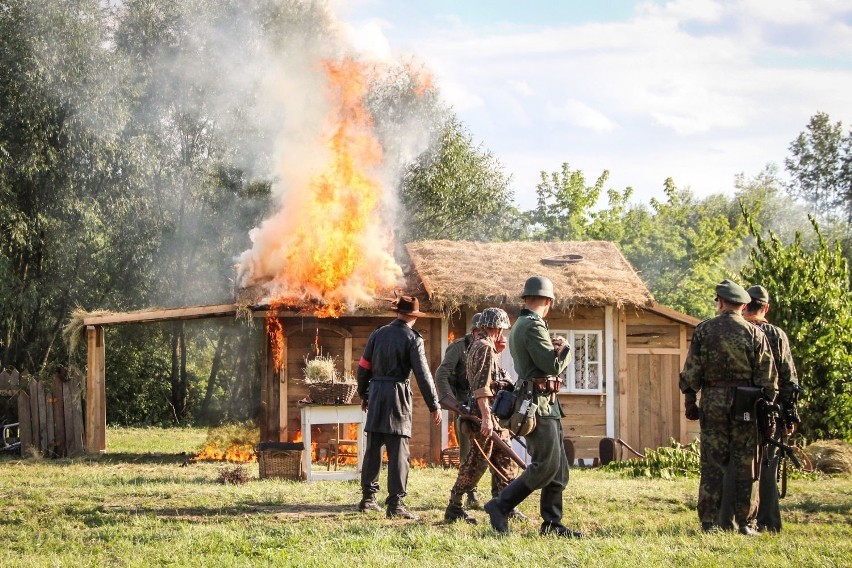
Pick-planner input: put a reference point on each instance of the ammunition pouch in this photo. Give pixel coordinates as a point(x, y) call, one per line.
point(523, 418)
point(503, 405)
point(745, 399)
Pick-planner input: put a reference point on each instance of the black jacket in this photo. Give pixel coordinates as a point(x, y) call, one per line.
point(392, 353)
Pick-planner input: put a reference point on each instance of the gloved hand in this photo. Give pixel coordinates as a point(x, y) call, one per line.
point(691, 410)
point(768, 429)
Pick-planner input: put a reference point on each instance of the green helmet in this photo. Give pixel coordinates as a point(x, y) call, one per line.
point(474, 321)
point(494, 317)
point(538, 286)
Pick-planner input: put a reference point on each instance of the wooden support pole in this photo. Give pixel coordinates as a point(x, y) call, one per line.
point(95, 390)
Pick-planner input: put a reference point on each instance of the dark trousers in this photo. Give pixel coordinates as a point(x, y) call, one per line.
point(548, 469)
point(398, 465)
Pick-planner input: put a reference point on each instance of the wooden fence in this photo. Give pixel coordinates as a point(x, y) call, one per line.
point(50, 413)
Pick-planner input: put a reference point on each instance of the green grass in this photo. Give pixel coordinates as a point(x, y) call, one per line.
point(142, 504)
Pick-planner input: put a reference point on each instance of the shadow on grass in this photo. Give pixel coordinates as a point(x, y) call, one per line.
point(812, 507)
point(119, 458)
point(282, 511)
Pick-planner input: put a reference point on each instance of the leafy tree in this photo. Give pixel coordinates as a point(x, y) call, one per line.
point(455, 190)
point(812, 302)
point(820, 165)
point(564, 205)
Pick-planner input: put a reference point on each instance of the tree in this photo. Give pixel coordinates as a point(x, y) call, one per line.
point(455, 190)
point(564, 205)
point(820, 166)
point(812, 302)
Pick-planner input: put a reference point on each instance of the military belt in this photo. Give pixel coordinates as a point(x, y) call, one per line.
point(547, 385)
point(389, 379)
point(727, 384)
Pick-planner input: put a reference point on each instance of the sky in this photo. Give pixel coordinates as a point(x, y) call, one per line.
point(695, 90)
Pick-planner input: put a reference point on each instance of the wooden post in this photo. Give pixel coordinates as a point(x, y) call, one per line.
point(24, 422)
point(434, 362)
point(34, 418)
point(95, 390)
point(283, 395)
point(682, 426)
point(59, 416)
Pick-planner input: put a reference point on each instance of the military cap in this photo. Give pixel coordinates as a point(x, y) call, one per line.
point(732, 292)
point(759, 294)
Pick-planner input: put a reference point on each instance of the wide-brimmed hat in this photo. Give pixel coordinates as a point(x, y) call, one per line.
point(407, 305)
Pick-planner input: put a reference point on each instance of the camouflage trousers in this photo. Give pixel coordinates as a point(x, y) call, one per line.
point(727, 446)
point(474, 467)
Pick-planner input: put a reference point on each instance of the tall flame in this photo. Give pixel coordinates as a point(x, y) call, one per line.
point(326, 245)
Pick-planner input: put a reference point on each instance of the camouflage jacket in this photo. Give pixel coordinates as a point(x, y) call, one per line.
point(534, 356)
point(783, 359)
point(483, 367)
point(727, 348)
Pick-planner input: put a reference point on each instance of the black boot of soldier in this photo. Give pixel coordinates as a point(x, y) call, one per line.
point(551, 514)
point(473, 501)
point(500, 507)
point(455, 511)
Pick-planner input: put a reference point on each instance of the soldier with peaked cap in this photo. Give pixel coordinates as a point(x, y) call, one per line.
point(726, 353)
point(392, 353)
point(769, 509)
point(538, 364)
point(451, 378)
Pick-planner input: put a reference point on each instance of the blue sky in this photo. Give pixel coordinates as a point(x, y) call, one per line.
point(696, 90)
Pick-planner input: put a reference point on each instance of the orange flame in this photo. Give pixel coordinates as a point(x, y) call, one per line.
point(236, 453)
point(452, 439)
point(451, 337)
point(326, 246)
point(276, 342)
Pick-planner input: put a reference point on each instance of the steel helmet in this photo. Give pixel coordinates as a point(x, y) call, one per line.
point(538, 286)
point(475, 320)
point(494, 317)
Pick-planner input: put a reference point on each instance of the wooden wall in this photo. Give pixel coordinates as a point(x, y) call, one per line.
point(649, 400)
point(283, 420)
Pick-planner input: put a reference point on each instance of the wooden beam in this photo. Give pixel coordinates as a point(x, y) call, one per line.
point(284, 394)
point(95, 390)
point(653, 351)
point(682, 425)
point(162, 314)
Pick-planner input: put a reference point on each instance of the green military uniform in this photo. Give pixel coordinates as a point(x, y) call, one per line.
point(727, 352)
point(450, 378)
point(534, 357)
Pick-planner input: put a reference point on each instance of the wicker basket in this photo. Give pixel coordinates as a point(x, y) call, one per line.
point(450, 457)
point(332, 393)
point(280, 460)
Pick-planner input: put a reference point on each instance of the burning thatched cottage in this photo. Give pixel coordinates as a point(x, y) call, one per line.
point(622, 381)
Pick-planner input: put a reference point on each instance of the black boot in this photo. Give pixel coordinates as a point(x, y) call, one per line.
point(500, 507)
point(551, 514)
point(455, 511)
point(473, 500)
point(369, 503)
point(399, 511)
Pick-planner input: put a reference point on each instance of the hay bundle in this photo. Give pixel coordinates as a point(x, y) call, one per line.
point(831, 456)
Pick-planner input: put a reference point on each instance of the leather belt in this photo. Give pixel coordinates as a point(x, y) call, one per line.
point(726, 384)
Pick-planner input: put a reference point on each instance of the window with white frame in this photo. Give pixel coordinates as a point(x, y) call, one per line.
point(584, 374)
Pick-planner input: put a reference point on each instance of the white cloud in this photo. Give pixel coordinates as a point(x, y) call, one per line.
point(580, 114)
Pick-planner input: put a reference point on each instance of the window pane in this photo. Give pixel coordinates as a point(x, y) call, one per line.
point(594, 376)
point(593, 347)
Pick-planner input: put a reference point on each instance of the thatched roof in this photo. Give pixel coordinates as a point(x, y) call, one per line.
point(588, 273)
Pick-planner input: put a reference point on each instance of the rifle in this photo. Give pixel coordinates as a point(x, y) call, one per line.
point(768, 413)
point(450, 403)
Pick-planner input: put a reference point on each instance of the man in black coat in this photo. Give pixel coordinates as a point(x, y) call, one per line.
point(392, 353)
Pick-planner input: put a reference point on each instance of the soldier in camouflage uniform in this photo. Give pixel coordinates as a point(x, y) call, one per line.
point(538, 362)
point(769, 508)
point(726, 352)
point(484, 375)
point(451, 378)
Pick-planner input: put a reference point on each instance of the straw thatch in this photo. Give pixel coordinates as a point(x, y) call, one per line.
point(830, 456)
point(587, 273)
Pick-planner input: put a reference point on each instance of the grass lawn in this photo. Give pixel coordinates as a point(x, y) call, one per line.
point(142, 504)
